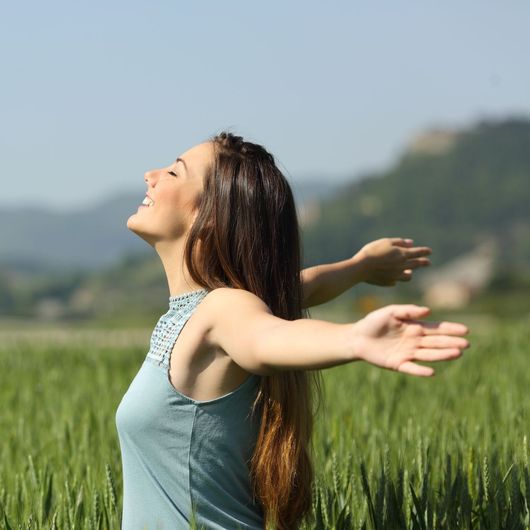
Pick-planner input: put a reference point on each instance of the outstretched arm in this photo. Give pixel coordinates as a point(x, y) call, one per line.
point(381, 262)
point(392, 337)
point(322, 283)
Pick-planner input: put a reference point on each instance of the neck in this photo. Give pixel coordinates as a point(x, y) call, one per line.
point(171, 254)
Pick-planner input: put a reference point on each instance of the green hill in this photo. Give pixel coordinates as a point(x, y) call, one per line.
point(449, 199)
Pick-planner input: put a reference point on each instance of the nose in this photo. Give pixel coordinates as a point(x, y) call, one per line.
point(149, 176)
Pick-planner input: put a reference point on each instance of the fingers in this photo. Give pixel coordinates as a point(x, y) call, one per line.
point(411, 252)
point(405, 276)
point(428, 355)
point(441, 328)
point(415, 369)
point(409, 311)
point(417, 262)
point(443, 341)
point(401, 242)
point(438, 354)
point(417, 252)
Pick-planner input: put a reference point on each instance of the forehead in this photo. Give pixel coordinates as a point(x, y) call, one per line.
point(198, 157)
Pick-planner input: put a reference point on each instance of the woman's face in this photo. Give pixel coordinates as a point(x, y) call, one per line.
point(173, 191)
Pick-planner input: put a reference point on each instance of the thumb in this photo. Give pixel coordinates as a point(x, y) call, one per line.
point(410, 311)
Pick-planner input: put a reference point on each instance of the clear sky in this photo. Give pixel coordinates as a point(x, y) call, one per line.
point(95, 93)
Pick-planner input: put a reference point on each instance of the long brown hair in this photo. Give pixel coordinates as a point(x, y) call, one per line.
point(246, 235)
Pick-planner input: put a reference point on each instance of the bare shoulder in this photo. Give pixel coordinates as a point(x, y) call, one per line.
point(227, 307)
point(237, 322)
point(235, 300)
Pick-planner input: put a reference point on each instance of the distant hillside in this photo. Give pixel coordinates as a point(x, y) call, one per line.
point(450, 190)
point(92, 237)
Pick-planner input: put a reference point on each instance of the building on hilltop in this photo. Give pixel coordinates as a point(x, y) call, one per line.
point(453, 284)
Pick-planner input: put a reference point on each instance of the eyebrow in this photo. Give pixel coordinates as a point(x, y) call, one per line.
point(180, 160)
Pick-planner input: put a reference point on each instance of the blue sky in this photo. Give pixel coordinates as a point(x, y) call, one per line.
point(95, 93)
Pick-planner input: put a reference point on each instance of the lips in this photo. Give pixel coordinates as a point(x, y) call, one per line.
point(148, 201)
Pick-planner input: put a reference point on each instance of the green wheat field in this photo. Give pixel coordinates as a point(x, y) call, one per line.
point(392, 450)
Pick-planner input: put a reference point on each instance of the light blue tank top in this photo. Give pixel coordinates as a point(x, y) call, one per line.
point(178, 452)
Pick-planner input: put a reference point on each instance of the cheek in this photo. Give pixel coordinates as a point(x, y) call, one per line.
point(176, 205)
point(171, 213)
point(167, 201)
point(183, 202)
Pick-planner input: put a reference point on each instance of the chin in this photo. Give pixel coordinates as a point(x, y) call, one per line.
point(131, 225)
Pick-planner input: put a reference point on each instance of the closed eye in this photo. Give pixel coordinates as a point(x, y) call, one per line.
point(173, 173)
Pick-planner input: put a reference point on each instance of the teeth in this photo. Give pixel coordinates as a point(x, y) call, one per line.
point(147, 201)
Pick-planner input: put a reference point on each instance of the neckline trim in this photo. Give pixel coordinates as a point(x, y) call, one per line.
point(186, 295)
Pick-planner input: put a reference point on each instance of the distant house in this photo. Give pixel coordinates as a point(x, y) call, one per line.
point(434, 141)
point(453, 284)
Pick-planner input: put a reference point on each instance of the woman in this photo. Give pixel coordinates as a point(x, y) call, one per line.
point(216, 426)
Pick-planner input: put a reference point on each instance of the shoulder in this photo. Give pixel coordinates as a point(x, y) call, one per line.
point(237, 322)
point(235, 312)
point(230, 307)
point(230, 299)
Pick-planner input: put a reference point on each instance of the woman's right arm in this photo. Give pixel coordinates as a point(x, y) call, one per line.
point(244, 327)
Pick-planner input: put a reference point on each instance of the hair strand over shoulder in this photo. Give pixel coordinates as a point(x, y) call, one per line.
point(246, 235)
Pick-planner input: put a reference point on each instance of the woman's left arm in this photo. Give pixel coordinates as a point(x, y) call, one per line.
point(381, 262)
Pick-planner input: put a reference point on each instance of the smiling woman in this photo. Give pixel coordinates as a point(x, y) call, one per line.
point(217, 424)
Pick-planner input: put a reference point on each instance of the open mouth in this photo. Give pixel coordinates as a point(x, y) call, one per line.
point(147, 202)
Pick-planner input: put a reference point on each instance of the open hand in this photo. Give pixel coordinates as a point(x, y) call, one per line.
point(392, 259)
point(390, 337)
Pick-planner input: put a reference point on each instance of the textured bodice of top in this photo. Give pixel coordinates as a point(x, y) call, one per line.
point(178, 452)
